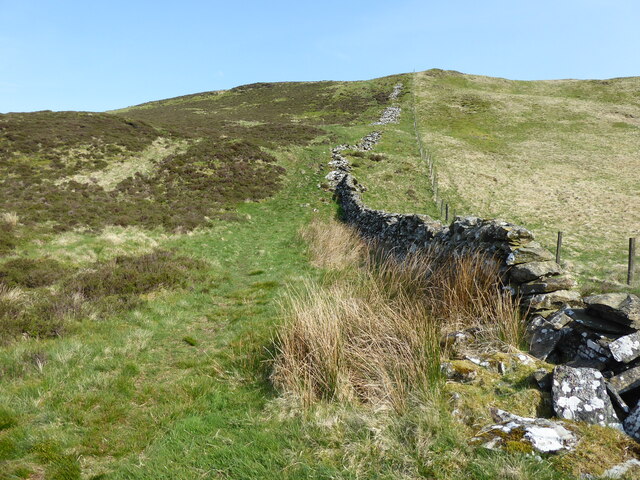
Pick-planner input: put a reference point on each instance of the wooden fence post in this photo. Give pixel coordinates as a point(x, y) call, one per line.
point(558, 247)
point(632, 260)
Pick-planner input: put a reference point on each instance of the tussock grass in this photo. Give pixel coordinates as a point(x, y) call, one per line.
point(10, 219)
point(373, 334)
point(333, 248)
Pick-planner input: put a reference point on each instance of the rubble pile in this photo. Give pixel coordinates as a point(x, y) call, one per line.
point(389, 115)
point(597, 351)
point(340, 165)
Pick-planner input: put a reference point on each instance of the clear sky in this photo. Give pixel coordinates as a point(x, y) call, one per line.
point(106, 54)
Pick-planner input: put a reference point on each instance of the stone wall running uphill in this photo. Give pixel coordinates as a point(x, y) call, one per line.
point(594, 339)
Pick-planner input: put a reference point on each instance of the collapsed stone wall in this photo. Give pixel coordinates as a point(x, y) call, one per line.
point(594, 340)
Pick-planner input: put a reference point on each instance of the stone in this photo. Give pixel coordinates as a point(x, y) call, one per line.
point(623, 469)
point(543, 378)
point(632, 423)
point(623, 308)
point(582, 362)
point(580, 394)
point(545, 339)
point(547, 284)
point(594, 349)
point(627, 380)
point(532, 252)
point(458, 372)
point(550, 301)
point(389, 115)
point(626, 349)
point(596, 323)
point(559, 319)
point(617, 399)
point(527, 272)
point(542, 435)
point(535, 323)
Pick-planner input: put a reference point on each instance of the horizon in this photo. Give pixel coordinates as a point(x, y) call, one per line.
point(75, 56)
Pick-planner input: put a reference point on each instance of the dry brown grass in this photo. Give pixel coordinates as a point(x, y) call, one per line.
point(332, 246)
point(10, 219)
point(373, 333)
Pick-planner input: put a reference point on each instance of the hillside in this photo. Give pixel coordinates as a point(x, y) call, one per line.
point(552, 155)
point(150, 256)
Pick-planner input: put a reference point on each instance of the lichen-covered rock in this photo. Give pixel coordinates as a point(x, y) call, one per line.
point(544, 340)
point(632, 423)
point(548, 284)
point(596, 323)
point(627, 380)
point(559, 319)
point(580, 394)
point(527, 272)
point(532, 252)
point(540, 434)
point(624, 469)
point(627, 348)
point(623, 308)
point(594, 349)
point(551, 300)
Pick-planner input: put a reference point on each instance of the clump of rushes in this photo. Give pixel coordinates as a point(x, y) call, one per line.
point(373, 333)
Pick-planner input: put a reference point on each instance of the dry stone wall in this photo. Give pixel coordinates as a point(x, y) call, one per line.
point(594, 340)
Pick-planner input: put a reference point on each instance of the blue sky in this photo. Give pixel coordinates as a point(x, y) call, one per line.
point(100, 55)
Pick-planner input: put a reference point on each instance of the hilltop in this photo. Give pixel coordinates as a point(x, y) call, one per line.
point(146, 254)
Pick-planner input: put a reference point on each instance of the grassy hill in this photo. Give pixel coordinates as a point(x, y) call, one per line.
point(556, 155)
point(145, 255)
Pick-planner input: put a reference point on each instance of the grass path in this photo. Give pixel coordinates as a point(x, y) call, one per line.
point(176, 388)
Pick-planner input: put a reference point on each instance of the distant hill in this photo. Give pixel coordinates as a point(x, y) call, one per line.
point(175, 162)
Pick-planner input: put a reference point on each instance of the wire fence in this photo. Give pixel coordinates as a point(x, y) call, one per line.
point(447, 212)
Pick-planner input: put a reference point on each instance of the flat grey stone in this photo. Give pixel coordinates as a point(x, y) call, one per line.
point(623, 308)
point(559, 319)
point(595, 322)
point(532, 252)
point(627, 380)
point(617, 399)
point(627, 348)
point(581, 362)
point(548, 284)
point(550, 301)
point(580, 394)
point(544, 340)
point(527, 272)
point(545, 436)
